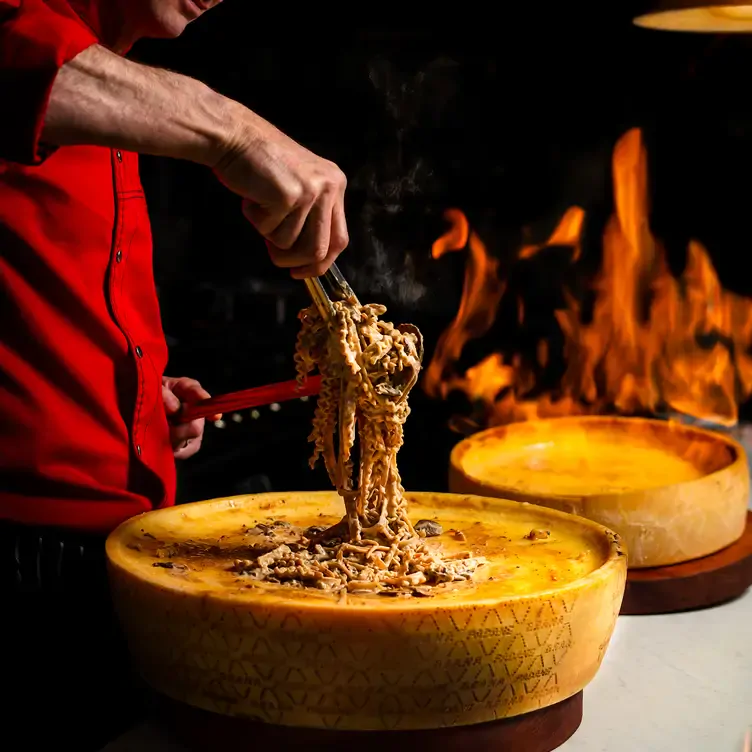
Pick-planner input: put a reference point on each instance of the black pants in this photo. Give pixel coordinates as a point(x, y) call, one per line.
point(63, 661)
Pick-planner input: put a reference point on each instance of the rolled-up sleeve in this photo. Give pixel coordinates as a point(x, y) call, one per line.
point(37, 37)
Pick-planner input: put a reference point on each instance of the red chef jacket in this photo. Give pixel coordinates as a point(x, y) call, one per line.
point(84, 439)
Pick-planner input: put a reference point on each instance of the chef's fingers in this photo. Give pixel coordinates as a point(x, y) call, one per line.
point(338, 241)
point(186, 390)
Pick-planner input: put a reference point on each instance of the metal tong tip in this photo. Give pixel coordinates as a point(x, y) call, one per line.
point(330, 286)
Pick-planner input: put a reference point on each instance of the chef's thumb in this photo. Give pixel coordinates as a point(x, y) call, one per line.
point(171, 402)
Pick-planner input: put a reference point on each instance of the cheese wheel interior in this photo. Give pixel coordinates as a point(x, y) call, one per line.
point(194, 551)
point(581, 458)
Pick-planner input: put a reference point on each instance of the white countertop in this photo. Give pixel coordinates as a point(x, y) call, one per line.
point(667, 683)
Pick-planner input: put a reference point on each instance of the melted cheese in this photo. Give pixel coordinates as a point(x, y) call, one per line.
point(577, 464)
point(219, 533)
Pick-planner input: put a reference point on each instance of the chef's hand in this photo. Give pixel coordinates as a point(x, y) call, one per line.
point(295, 199)
point(185, 437)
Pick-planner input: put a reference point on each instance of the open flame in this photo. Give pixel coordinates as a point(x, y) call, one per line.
point(655, 343)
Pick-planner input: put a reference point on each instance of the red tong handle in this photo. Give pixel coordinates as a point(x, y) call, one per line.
point(261, 395)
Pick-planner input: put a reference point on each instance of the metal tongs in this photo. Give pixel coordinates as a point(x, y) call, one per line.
point(332, 286)
point(338, 289)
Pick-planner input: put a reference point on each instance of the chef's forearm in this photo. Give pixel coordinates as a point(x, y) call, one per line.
point(102, 99)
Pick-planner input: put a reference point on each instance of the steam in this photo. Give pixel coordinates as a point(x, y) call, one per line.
point(379, 277)
point(396, 184)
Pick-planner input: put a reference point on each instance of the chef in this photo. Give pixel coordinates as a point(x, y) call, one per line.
point(85, 440)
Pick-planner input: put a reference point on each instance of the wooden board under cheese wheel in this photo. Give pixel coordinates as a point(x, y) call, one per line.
point(530, 630)
point(541, 730)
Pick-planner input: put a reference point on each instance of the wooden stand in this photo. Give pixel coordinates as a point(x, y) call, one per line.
point(700, 583)
point(540, 731)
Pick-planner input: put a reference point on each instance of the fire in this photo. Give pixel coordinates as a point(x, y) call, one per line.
point(654, 344)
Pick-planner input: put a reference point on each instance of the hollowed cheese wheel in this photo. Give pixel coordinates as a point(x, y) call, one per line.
point(673, 492)
point(531, 631)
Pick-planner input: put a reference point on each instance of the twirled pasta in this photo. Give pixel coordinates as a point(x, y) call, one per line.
point(367, 367)
point(362, 362)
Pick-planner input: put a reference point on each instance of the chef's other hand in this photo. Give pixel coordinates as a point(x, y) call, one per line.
point(295, 199)
point(185, 437)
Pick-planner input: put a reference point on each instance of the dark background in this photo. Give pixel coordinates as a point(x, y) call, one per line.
point(511, 117)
